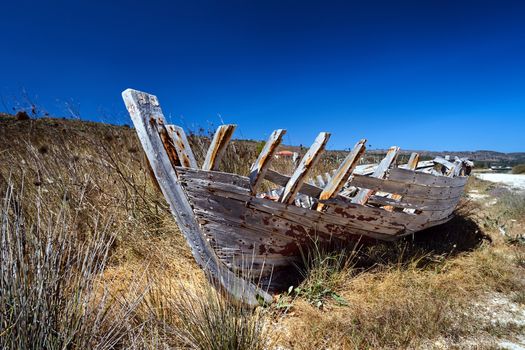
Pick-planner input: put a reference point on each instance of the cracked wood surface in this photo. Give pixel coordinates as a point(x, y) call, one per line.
point(260, 166)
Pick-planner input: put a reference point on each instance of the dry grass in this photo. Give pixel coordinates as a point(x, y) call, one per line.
point(132, 283)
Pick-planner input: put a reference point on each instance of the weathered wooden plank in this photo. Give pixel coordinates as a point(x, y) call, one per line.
point(342, 174)
point(415, 203)
point(443, 161)
point(215, 176)
point(424, 164)
point(182, 146)
point(259, 168)
point(305, 166)
point(380, 172)
point(404, 189)
point(416, 177)
point(218, 146)
point(411, 165)
point(147, 117)
point(365, 219)
point(408, 189)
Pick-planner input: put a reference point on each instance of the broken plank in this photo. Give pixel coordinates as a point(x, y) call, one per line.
point(416, 177)
point(380, 172)
point(259, 168)
point(182, 146)
point(218, 146)
point(342, 174)
point(305, 166)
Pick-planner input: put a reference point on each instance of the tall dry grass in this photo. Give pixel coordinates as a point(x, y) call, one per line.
point(90, 240)
point(49, 296)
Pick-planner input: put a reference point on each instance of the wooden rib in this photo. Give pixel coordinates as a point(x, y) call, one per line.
point(309, 189)
point(148, 119)
point(440, 160)
point(414, 203)
point(218, 146)
point(411, 165)
point(259, 168)
point(363, 194)
point(305, 166)
point(342, 174)
point(182, 146)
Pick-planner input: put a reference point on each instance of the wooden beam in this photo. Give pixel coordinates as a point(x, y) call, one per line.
point(182, 146)
point(218, 146)
point(363, 194)
point(342, 174)
point(148, 120)
point(305, 166)
point(411, 165)
point(320, 181)
point(261, 165)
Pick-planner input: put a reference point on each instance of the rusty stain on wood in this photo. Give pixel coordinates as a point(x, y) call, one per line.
point(305, 167)
point(260, 166)
point(342, 174)
point(411, 165)
point(182, 146)
point(220, 141)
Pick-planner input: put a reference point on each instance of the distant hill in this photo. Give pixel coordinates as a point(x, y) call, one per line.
point(482, 158)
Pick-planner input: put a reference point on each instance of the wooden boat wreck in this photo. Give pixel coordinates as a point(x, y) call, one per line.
point(243, 238)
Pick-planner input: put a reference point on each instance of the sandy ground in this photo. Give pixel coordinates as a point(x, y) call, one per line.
point(513, 181)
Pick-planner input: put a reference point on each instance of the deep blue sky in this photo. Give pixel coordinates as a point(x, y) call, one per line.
point(439, 75)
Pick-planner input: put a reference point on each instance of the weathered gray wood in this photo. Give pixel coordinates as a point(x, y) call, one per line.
point(404, 189)
point(447, 164)
point(409, 190)
point(424, 164)
point(411, 165)
point(416, 177)
point(342, 174)
point(363, 218)
point(182, 146)
point(218, 146)
point(215, 176)
point(305, 166)
point(259, 168)
point(148, 119)
point(415, 203)
point(362, 195)
point(368, 169)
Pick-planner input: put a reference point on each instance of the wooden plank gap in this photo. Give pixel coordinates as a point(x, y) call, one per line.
point(182, 146)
